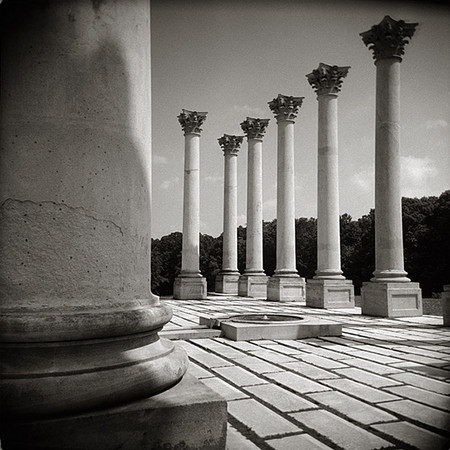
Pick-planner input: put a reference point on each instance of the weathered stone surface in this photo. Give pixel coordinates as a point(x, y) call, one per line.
point(329, 294)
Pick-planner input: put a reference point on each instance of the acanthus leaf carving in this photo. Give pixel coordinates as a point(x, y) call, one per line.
point(285, 107)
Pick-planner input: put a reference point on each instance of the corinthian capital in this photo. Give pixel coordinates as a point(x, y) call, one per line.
point(388, 38)
point(254, 128)
point(286, 107)
point(230, 144)
point(327, 79)
point(191, 121)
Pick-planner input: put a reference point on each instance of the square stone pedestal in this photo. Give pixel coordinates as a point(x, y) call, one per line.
point(286, 289)
point(189, 415)
point(446, 305)
point(227, 283)
point(253, 286)
point(391, 299)
point(189, 288)
point(330, 294)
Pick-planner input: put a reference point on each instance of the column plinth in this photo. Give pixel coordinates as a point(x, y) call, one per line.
point(227, 280)
point(391, 293)
point(253, 282)
point(78, 322)
point(328, 289)
point(285, 284)
point(190, 284)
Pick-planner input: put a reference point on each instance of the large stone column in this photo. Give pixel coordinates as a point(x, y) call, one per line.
point(253, 283)
point(329, 288)
point(190, 284)
point(390, 293)
point(81, 359)
point(227, 279)
point(286, 285)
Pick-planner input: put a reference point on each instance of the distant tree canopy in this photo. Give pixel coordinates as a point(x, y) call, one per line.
point(426, 236)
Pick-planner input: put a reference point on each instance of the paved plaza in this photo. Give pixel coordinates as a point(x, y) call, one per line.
point(383, 384)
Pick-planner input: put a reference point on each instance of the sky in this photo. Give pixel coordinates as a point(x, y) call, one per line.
point(231, 57)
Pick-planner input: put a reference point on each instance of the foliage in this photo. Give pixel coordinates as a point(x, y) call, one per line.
point(426, 236)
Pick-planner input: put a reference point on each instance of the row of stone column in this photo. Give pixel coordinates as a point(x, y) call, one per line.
point(329, 288)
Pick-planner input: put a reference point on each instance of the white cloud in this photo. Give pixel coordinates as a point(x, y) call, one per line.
point(242, 220)
point(434, 124)
point(158, 159)
point(416, 175)
point(364, 180)
point(169, 183)
point(250, 111)
point(270, 209)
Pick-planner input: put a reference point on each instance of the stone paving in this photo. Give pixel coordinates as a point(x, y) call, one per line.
point(383, 384)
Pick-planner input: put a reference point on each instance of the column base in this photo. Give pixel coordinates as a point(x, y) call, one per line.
point(189, 415)
point(446, 305)
point(286, 289)
point(253, 285)
point(330, 294)
point(391, 299)
point(227, 283)
point(189, 288)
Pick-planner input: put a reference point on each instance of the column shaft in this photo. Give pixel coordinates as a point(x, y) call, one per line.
point(191, 207)
point(254, 250)
point(389, 265)
point(328, 236)
point(286, 261)
point(230, 256)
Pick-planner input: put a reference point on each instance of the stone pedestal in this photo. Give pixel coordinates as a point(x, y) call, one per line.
point(253, 283)
point(254, 286)
point(227, 280)
point(227, 283)
point(446, 305)
point(285, 284)
point(284, 288)
point(189, 415)
point(189, 288)
point(391, 299)
point(190, 284)
point(387, 40)
point(330, 294)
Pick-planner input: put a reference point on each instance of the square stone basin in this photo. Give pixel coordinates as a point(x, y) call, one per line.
point(253, 326)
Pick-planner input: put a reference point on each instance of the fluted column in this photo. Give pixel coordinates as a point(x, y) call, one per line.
point(227, 279)
point(253, 283)
point(190, 284)
point(328, 289)
point(285, 284)
point(390, 292)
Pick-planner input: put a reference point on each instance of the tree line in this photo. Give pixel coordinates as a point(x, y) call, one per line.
point(426, 238)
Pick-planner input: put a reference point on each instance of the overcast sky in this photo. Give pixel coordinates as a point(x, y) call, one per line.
point(231, 58)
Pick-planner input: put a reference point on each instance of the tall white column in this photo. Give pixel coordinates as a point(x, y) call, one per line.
point(81, 359)
point(227, 279)
point(390, 293)
point(328, 289)
point(286, 284)
point(190, 284)
point(253, 283)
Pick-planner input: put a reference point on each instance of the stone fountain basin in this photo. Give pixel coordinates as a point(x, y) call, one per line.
point(253, 326)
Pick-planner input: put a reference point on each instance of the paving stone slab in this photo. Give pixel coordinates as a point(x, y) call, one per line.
point(296, 382)
point(198, 372)
point(415, 436)
point(422, 396)
point(260, 419)
point(354, 409)
point(258, 365)
point(359, 390)
point(371, 379)
point(423, 382)
point(310, 371)
point(297, 442)
point(239, 376)
point(420, 413)
point(271, 356)
point(380, 369)
point(236, 441)
point(339, 431)
point(322, 362)
point(280, 398)
point(227, 391)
